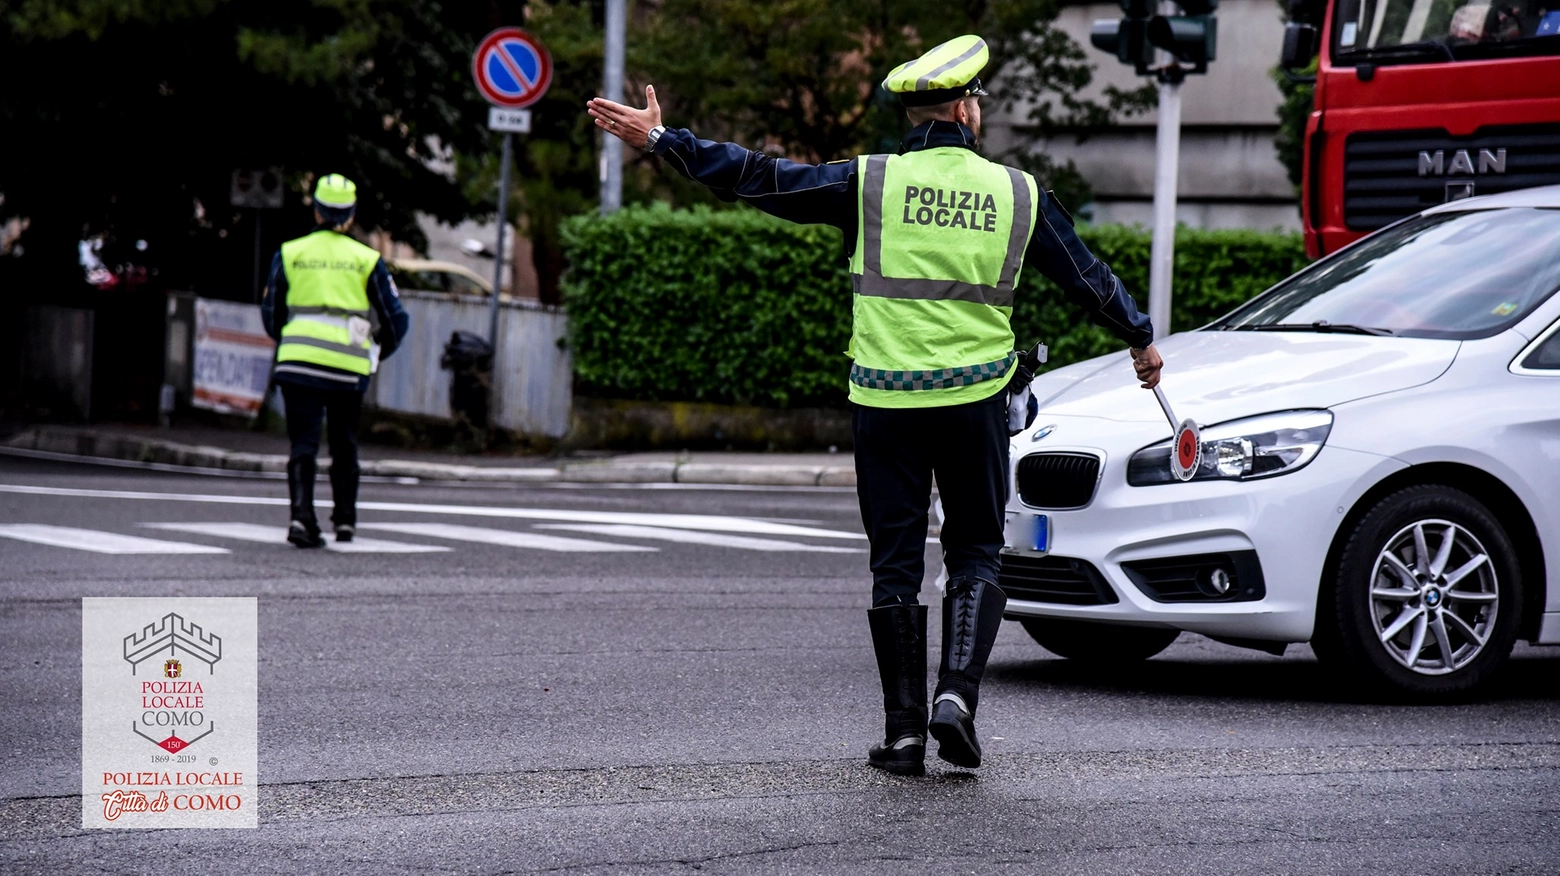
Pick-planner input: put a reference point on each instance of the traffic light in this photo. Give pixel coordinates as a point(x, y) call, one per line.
point(1127, 38)
point(1190, 38)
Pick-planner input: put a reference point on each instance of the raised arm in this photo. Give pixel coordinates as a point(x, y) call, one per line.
point(1091, 285)
point(805, 193)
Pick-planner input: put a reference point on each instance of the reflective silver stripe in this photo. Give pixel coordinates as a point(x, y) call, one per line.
point(872, 207)
point(871, 281)
point(318, 371)
point(331, 311)
point(338, 323)
point(304, 341)
point(925, 82)
point(1018, 238)
point(879, 286)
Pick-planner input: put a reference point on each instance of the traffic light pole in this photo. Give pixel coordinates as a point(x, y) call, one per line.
point(1167, 160)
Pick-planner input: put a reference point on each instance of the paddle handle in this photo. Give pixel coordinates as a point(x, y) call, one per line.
point(1164, 405)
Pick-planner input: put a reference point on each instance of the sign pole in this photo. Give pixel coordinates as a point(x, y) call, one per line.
point(1167, 158)
point(612, 85)
point(498, 255)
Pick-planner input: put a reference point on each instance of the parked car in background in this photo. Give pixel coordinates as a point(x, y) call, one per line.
point(435, 276)
point(1379, 474)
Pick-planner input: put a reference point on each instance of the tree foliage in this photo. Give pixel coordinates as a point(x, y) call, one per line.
point(135, 113)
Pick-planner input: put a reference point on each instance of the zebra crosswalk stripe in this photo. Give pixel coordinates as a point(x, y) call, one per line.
point(277, 535)
point(505, 537)
point(100, 542)
point(686, 536)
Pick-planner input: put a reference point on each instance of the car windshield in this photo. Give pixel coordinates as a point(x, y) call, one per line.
point(1446, 275)
point(1421, 31)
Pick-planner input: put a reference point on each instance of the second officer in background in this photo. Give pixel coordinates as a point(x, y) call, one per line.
point(325, 293)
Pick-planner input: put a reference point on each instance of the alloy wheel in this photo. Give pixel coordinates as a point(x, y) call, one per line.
point(1434, 597)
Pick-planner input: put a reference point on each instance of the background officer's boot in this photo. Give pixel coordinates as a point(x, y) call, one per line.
point(304, 530)
point(972, 614)
point(899, 639)
point(343, 491)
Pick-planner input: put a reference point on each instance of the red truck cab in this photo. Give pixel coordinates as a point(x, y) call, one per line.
point(1418, 102)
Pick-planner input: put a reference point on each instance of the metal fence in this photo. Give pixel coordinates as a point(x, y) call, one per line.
point(532, 372)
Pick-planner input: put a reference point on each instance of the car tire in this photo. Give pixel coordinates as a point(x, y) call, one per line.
point(1096, 643)
point(1401, 597)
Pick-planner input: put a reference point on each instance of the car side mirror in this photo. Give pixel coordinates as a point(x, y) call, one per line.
point(1300, 44)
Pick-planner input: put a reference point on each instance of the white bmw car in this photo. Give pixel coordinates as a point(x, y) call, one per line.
point(1379, 471)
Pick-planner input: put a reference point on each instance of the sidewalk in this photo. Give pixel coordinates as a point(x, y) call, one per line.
point(240, 451)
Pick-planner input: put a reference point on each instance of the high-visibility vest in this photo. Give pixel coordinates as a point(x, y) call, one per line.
point(327, 302)
point(938, 251)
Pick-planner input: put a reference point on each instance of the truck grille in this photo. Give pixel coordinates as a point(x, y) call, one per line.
point(1053, 579)
point(1391, 174)
point(1058, 481)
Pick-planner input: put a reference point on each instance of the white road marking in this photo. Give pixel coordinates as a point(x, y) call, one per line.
point(505, 537)
point(100, 542)
point(277, 535)
point(687, 537)
point(706, 522)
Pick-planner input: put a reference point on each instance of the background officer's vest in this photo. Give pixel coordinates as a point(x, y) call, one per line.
point(327, 301)
point(938, 251)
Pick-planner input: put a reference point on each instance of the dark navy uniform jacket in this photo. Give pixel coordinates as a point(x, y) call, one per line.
point(826, 194)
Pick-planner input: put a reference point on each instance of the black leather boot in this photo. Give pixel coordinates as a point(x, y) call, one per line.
point(343, 491)
point(899, 640)
point(972, 614)
point(304, 529)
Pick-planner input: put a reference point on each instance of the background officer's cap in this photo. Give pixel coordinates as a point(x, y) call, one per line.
point(335, 192)
point(947, 72)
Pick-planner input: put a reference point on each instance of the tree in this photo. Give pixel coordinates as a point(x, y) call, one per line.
point(134, 116)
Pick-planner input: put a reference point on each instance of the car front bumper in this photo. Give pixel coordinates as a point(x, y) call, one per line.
point(1289, 521)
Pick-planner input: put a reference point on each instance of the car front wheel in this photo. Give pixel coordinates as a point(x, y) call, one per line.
point(1097, 643)
point(1427, 596)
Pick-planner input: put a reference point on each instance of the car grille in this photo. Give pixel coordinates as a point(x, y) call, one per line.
point(1381, 169)
point(1058, 481)
point(1053, 579)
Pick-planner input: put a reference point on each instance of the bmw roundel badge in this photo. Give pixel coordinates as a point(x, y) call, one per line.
point(1042, 432)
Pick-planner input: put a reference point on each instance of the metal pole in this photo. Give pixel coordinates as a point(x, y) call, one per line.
point(498, 254)
point(612, 87)
point(1167, 158)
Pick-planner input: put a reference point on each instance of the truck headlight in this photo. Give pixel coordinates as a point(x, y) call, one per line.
point(1241, 450)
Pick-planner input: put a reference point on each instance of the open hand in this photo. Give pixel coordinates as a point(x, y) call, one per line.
point(1146, 363)
point(630, 125)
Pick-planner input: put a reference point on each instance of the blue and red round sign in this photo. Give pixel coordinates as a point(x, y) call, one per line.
point(512, 68)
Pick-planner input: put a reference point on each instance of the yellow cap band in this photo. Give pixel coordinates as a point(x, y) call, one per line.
point(950, 65)
point(335, 190)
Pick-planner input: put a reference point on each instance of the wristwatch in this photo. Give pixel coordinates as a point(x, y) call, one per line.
point(653, 137)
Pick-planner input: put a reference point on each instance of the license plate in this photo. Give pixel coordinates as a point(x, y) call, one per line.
point(1029, 532)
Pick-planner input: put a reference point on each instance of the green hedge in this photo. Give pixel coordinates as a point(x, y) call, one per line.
point(734, 306)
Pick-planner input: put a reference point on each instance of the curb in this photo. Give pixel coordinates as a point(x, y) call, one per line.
point(133, 448)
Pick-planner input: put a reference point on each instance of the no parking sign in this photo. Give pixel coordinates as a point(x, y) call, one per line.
point(512, 68)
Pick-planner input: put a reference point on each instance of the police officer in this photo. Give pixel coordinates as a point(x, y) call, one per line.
point(936, 236)
point(324, 293)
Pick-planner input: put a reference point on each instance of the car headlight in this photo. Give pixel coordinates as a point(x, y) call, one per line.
point(1241, 450)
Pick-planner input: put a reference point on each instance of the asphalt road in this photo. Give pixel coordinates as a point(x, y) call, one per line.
point(492, 708)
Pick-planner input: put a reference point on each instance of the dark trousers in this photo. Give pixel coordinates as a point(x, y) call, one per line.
point(342, 410)
point(898, 450)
